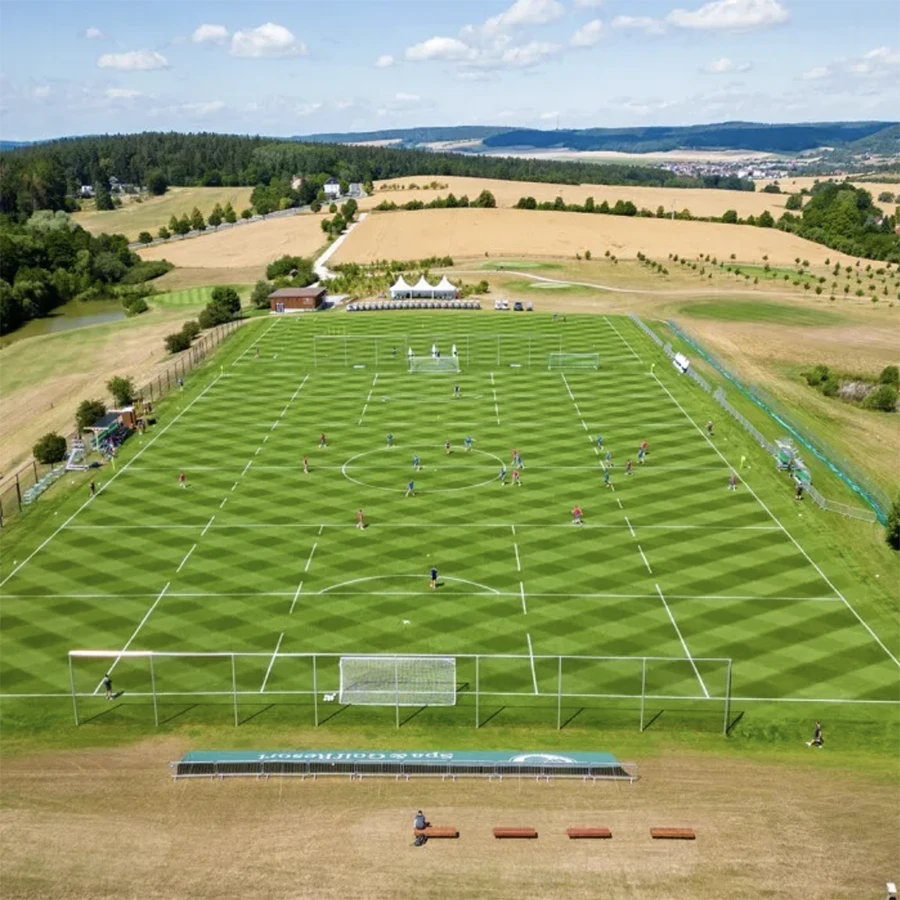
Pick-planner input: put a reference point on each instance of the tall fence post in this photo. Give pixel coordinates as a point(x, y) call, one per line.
point(18, 492)
point(727, 700)
point(477, 716)
point(397, 691)
point(153, 691)
point(558, 692)
point(234, 691)
point(643, 687)
point(315, 694)
point(74, 695)
point(34, 466)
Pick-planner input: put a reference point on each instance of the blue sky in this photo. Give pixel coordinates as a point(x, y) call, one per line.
point(303, 67)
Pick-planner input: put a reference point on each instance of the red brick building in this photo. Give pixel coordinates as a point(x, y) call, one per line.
point(307, 299)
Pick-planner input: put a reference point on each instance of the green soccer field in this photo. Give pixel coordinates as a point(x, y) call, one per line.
point(255, 556)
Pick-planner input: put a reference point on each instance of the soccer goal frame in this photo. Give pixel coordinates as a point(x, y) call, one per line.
point(566, 362)
point(434, 365)
point(482, 678)
point(358, 349)
point(398, 681)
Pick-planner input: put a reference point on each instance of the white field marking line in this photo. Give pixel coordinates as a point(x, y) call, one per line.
point(484, 587)
point(296, 595)
point(224, 501)
point(147, 615)
point(687, 652)
point(522, 595)
point(531, 656)
point(518, 564)
point(496, 406)
point(234, 486)
point(249, 463)
point(484, 593)
point(384, 467)
point(778, 522)
point(644, 558)
point(106, 484)
point(274, 425)
point(309, 561)
point(212, 519)
point(293, 397)
point(271, 663)
point(258, 451)
point(368, 399)
point(255, 342)
point(616, 330)
point(628, 522)
point(620, 503)
point(735, 699)
point(322, 528)
point(580, 416)
point(266, 438)
point(187, 556)
point(286, 525)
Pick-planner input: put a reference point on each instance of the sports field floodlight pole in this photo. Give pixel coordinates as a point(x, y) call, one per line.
point(477, 716)
point(234, 691)
point(643, 687)
point(315, 694)
point(74, 695)
point(559, 671)
point(727, 699)
point(153, 690)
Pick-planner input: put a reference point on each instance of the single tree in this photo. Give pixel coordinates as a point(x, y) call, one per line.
point(217, 216)
point(226, 298)
point(892, 529)
point(145, 237)
point(260, 295)
point(164, 233)
point(88, 412)
point(177, 342)
point(246, 213)
point(51, 448)
point(122, 390)
point(229, 213)
point(156, 183)
point(198, 223)
point(191, 329)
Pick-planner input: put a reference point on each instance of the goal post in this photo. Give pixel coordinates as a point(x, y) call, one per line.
point(398, 681)
point(432, 364)
point(558, 362)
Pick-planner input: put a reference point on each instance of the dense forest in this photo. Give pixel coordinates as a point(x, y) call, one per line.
point(50, 260)
point(47, 176)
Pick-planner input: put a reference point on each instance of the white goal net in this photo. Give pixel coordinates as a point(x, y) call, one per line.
point(398, 681)
point(560, 361)
point(434, 364)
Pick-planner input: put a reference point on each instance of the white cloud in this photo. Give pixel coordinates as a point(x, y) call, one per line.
point(647, 24)
point(212, 34)
point(344, 104)
point(41, 92)
point(385, 61)
point(816, 73)
point(726, 66)
point(267, 41)
point(446, 48)
point(93, 34)
point(548, 116)
point(122, 94)
point(731, 15)
point(588, 35)
point(402, 97)
point(133, 61)
point(879, 68)
point(197, 109)
point(589, 3)
point(307, 109)
point(524, 12)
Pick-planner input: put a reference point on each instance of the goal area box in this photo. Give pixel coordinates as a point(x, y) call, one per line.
point(559, 362)
point(398, 681)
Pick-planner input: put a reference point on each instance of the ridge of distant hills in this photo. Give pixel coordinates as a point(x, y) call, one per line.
point(871, 137)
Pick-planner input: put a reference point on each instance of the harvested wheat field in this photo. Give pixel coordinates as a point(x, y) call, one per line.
point(248, 245)
point(462, 233)
point(792, 185)
point(699, 201)
point(110, 823)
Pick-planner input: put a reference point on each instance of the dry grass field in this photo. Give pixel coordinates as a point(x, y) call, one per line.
point(463, 233)
point(250, 245)
point(153, 212)
point(792, 185)
point(700, 202)
point(110, 823)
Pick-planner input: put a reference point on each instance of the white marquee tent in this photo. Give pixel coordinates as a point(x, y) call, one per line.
point(443, 290)
point(401, 289)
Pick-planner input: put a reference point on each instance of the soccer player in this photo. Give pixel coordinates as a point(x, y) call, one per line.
point(599, 441)
point(393, 351)
point(628, 467)
point(641, 455)
point(518, 461)
point(182, 480)
point(447, 447)
point(390, 440)
point(606, 481)
point(709, 427)
point(732, 482)
point(409, 353)
point(107, 686)
point(360, 520)
point(576, 515)
point(323, 441)
point(817, 739)
point(411, 489)
point(515, 455)
point(503, 474)
point(257, 352)
point(517, 479)
point(456, 392)
point(417, 465)
point(306, 465)
point(799, 493)
point(608, 459)
point(434, 577)
point(93, 489)
point(468, 443)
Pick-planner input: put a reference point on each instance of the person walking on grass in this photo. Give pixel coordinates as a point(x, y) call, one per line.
point(576, 515)
point(417, 464)
point(732, 482)
point(606, 482)
point(323, 441)
point(468, 443)
point(817, 739)
point(447, 447)
point(709, 428)
point(390, 441)
point(517, 478)
point(640, 456)
point(257, 353)
point(628, 467)
point(107, 686)
point(798, 495)
point(411, 489)
point(306, 465)
point(182, 480)
point(93, 489)
point(502, 475)
point(360, 520)
point(434, 577)
point(599, 441)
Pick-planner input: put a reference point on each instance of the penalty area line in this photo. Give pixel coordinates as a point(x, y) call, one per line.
point(687, 652)
point(271, 663)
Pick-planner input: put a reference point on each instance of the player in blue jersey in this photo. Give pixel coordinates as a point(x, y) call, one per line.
point(411, 489)
point(468, 443)
point(417, 465)
point(606, 481)
point(434, 577)
point(390, 440)
point(503, 474)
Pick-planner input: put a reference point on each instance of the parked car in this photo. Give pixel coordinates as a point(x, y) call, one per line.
point(518, 307)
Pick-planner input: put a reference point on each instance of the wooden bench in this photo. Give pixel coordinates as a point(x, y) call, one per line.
point(589, 832)
point(515, 833)
point(673, 834)
point(437, 831)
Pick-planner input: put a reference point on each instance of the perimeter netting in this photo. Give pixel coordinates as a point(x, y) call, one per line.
point(398, 681)
point(564, 361)
point(433, 364)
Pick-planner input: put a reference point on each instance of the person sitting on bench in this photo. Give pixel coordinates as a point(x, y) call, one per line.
point(421, 822)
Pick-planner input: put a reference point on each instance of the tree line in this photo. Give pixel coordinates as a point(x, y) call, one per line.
point(47, 176)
